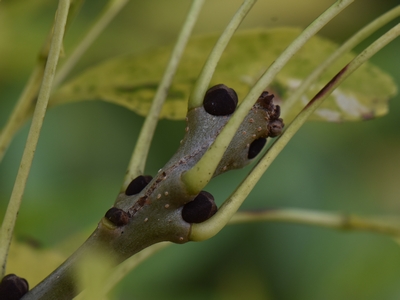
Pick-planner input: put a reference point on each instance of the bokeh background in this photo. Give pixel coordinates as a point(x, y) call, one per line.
point(85, 147)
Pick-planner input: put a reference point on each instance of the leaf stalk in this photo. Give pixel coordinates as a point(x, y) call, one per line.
point(10, 217)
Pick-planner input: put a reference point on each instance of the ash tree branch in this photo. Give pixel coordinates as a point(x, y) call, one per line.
point(196, 178)
point(212, 226)
point(331, 220)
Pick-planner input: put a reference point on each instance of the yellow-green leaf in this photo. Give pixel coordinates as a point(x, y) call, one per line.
point(32, 263)
point(131, 80)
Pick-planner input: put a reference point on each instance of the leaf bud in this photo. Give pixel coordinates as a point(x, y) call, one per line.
point(220, 100)
point(200, 209)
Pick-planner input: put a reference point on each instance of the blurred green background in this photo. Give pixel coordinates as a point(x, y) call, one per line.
point(85, 147)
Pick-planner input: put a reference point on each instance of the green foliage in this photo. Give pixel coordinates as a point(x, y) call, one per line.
point(32, 263)
point(131, 80)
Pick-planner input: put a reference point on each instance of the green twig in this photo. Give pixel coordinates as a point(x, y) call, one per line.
point(197, 177)
point(108, 14)
point(203, 81)
point(138, 160)
point(34, 132)
point(21, 109)
point(25, 103)
point(346, 47)
point(338, 221)
point(212, 226)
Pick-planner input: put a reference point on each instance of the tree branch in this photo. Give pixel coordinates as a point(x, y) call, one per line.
point(197, 177)
point(213, 225)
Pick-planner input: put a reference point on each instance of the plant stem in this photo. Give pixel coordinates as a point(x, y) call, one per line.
point(110, 11)
point(34, 132)
point(203, 81)
point(197, 177)
point(21, 109)
point(212, 226)
point(25, 103)
point(139, 155)
point(346, 47)
point(322, 219)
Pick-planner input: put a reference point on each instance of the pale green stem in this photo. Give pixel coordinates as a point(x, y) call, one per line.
point(21, 109)
point(37, 121)
point(25, 103)
point(321, 219)
point(346, 47)
point(110, 11)
point(196, 178)
point(139, 155)
point(212, 226)
point(203, 81)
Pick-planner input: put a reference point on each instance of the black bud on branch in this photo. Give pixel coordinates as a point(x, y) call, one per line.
point(13, 287)
point(265, 100)
point(220, 100)
point(255, 147)
point(137, 185)
point(277, 111)
point(117, 216)
point(200, 209)
point(275, 127)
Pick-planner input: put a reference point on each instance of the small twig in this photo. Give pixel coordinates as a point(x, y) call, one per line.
point(25, 103)
point(110, 11)
point(197, 177)
point(139, 155)
point(338, 221)
point(21, 109)
point(212, 226)
point(203, 81)
point(34, 132)
point(346, 47)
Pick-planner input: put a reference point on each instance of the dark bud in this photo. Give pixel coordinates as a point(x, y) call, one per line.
point(255, 147)
point(275, 128)
point(137, 185)
point(220, 100)
point(200, 209)
point(277, 111)
point(117, 216)
point(13, 287)
point(265, 99)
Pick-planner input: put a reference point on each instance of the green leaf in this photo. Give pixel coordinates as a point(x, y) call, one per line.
point(32, 263)
point(131, 80)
